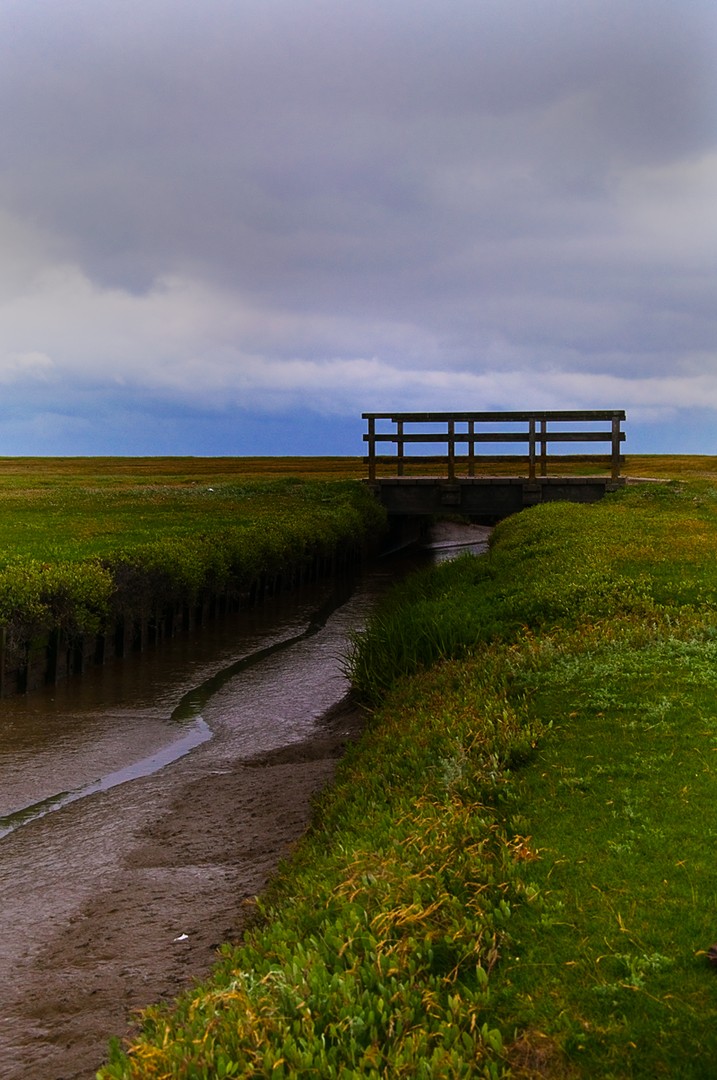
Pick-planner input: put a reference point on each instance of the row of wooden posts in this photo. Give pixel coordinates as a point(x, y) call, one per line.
point(54, 656)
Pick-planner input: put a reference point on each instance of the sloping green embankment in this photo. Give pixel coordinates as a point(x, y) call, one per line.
point(514, 874)
point(76, 556)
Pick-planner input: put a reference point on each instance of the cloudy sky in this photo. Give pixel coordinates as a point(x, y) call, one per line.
point(232, 226)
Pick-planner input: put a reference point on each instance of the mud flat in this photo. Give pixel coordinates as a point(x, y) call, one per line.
point(186, 884)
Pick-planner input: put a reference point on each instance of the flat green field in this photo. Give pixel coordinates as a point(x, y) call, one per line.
point(116, 471)
point(54, 509)
point(78, 508)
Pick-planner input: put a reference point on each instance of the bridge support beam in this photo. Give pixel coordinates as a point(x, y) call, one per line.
point(484, 499)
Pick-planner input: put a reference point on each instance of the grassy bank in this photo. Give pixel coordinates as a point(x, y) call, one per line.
point(83, 541)
point(513, 875)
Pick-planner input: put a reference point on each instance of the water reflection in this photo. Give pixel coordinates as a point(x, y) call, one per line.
point(448, 540)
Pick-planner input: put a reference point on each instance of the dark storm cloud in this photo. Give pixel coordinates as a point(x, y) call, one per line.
point(173, 131)
point(472, 188)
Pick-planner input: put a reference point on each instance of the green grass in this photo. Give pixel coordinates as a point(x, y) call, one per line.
point(607, 617)
point(83, 541)
point(513, 875)
point(608, 959)
point(77, 508)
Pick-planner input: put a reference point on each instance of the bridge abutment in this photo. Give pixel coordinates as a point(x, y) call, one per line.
point(484, 499)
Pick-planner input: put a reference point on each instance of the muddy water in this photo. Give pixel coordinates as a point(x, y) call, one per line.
point(143, 806)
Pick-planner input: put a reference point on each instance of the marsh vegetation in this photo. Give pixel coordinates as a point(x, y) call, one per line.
point(86, 542)
point(513, 874)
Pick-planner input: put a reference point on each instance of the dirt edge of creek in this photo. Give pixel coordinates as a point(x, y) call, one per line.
point(186, 886)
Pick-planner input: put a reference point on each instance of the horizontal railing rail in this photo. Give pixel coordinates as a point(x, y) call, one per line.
point(467, 430)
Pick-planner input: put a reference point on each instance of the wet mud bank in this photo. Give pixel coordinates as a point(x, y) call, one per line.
point(185, 885)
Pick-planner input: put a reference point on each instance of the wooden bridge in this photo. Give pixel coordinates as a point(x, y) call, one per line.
point(473, 477)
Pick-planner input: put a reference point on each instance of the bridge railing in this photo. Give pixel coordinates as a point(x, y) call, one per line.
point(464, 433)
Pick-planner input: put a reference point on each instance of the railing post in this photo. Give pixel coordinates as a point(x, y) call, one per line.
point(371, 448)
point(615, 456)
point(543, 448)
point(451, 450)
point(471, 448)
point(531, 448)
point(399, 446)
